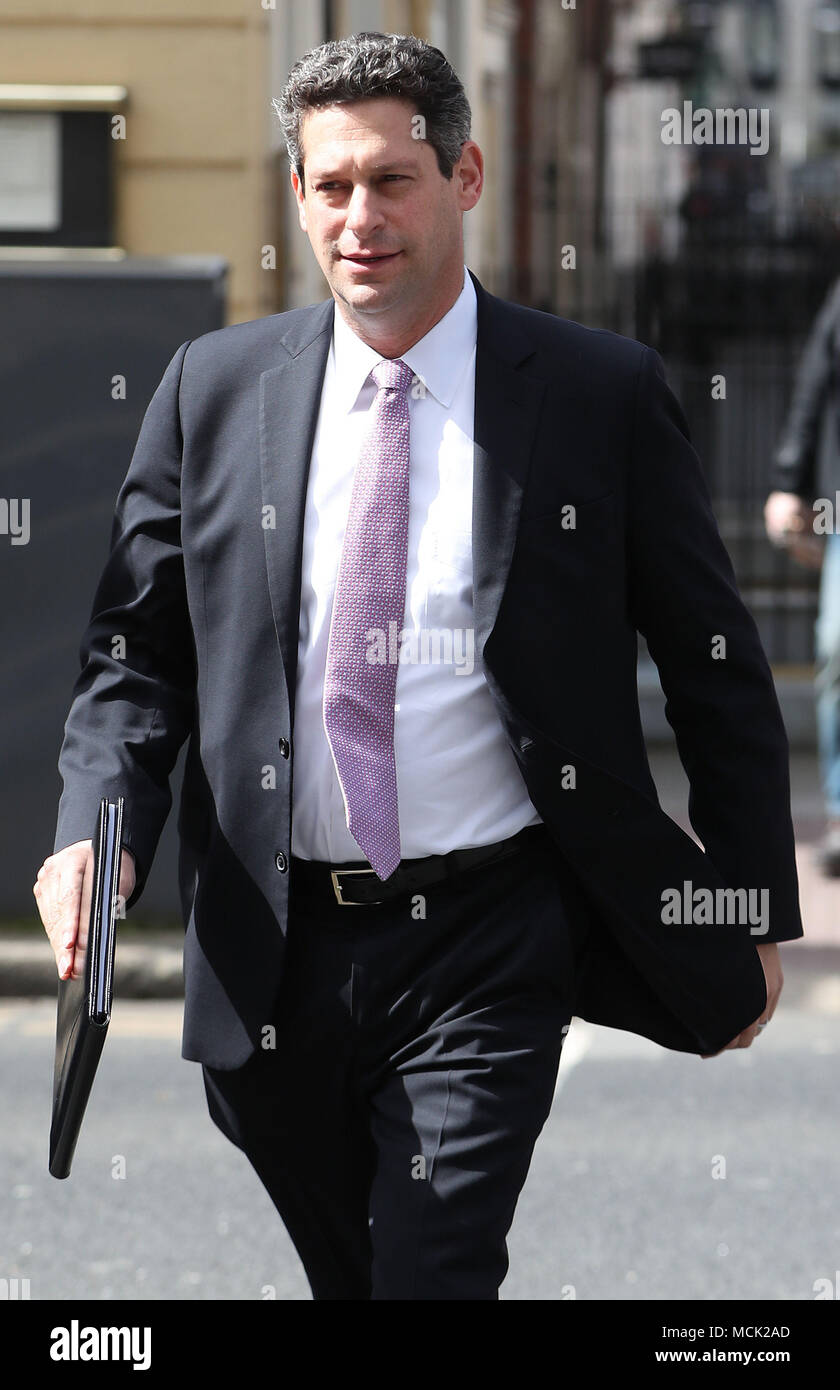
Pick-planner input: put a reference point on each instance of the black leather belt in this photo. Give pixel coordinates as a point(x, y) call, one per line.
point(354, 886)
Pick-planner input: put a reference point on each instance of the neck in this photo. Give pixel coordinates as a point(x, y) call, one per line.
point(392, 336)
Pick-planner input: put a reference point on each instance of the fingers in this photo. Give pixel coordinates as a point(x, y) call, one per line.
point(773, 997)
point(128, 876)
point(63, 892)
point(58, 894)
point(744, 1039)
point(773, 978)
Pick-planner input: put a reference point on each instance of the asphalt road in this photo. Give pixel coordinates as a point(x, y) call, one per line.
point(621, 1201)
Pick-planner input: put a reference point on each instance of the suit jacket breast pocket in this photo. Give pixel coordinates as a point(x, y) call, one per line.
point(587, 517)
point(573, 555)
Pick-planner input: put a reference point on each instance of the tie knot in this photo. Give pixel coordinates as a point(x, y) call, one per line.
point(394, 375)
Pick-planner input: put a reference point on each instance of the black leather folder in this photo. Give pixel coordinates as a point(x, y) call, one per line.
point(84, 1000)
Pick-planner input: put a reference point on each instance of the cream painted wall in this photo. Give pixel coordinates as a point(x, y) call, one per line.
point(191, 174)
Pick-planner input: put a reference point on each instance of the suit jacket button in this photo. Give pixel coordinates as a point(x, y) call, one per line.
point(284, 747)
point(281, 863)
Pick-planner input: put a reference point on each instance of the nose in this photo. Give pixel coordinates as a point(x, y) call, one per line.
point(363, 217)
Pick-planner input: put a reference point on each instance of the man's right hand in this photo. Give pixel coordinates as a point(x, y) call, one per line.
point(63, 879)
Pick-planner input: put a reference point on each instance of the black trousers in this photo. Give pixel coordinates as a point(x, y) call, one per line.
point(413, 1066)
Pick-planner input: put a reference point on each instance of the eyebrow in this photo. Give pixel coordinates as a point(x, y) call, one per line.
point(390, 166)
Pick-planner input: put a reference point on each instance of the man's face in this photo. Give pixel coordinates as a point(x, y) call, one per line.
point(384, 223)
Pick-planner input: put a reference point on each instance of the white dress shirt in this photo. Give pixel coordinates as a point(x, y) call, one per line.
point(458, 783)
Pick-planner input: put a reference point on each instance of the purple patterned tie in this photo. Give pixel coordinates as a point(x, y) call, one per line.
point(370, 594)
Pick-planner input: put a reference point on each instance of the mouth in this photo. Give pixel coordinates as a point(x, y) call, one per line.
point(366, 259)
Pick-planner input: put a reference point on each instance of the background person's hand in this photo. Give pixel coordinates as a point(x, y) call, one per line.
point(774, 979)
point(63, 882)
point(786, 514)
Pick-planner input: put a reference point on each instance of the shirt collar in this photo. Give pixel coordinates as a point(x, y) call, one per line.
point(438, 359)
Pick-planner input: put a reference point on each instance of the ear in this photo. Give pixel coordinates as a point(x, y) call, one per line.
point(470, 174)
point(299, 195)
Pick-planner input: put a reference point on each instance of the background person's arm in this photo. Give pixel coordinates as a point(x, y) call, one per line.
point(794, 461)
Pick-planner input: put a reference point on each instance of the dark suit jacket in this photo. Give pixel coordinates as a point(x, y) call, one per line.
point(203, 582)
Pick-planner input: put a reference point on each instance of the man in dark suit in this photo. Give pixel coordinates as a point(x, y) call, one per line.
point(383, 955)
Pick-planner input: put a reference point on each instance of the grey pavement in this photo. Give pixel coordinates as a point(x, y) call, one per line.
point(657, 1175)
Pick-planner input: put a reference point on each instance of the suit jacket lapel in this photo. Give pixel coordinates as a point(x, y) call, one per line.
point(289, 400)
point(507, 406)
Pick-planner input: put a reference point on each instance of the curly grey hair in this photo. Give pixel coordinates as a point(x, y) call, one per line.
point(371, 64)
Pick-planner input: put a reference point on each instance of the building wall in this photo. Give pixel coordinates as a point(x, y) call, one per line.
point(191, 174)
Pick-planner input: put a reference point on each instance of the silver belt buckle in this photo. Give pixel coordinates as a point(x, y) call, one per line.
point(335, 874)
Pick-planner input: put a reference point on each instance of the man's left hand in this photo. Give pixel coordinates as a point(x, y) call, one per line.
point(774, 979)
